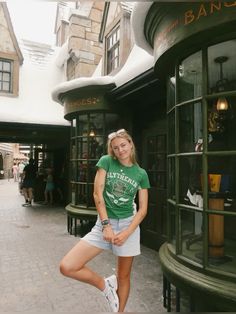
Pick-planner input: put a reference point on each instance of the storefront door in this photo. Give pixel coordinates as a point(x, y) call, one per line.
point(154, 160)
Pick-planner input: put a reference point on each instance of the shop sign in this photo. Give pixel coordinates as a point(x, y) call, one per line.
point(182, 21)
point(86, 103)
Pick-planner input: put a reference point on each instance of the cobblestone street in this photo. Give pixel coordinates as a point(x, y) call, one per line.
point(34, 239)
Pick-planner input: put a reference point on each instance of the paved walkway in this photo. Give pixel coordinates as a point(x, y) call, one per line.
point(32, 242)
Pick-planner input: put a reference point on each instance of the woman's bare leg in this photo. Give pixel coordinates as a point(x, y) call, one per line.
point(73, 265)
point(123, 277)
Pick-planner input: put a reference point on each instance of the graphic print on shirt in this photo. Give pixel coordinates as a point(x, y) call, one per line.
point(121, 188)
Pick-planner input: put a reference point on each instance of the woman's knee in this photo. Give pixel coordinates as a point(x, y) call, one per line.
point(66, 268)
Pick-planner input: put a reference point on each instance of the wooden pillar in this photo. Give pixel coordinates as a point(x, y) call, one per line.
point(216, 229)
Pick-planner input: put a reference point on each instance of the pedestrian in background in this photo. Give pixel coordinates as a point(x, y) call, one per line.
point(118, 180)
point(50, 186)
point(29, 176)
point(15, 172)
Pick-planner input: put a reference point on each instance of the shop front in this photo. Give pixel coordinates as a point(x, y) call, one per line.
point(194, 47)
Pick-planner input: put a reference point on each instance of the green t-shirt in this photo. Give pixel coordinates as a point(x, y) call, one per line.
point(121, 186)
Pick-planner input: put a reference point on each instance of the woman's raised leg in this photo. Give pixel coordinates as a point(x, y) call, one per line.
point(123, 277)
point(73, 265)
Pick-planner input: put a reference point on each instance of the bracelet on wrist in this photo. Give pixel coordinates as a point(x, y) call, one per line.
point(105, 222)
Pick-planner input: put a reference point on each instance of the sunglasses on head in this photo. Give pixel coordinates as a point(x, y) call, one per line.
point(114, 134)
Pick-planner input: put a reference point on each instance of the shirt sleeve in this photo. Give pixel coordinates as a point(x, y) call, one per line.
point(144, 183)
point(104, 162)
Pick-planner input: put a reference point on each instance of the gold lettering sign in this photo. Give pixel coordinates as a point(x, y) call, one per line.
point(74, 105)
point(206, 9)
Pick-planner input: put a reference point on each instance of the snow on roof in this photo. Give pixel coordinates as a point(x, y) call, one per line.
point(137, 63)
point(79, 83)
point(128, 6)
point(138, 17)
point(140, 59)
point(38, 75)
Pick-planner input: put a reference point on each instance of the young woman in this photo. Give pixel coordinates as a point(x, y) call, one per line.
point(117, 181)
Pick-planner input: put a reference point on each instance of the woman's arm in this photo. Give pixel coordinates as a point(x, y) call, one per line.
point(138, 218)
point(99, 185)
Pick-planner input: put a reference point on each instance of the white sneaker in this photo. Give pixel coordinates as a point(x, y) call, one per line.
point(110, 293)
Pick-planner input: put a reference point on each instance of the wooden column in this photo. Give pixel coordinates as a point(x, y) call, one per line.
point(216, 229)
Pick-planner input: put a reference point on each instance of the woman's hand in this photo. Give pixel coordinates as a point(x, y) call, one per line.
point(108, 234)
point(121, 237)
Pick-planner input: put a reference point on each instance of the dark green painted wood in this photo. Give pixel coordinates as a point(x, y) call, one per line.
point(209, 293)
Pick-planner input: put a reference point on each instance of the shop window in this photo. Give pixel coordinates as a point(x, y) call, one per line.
point(190, 74)
point(171, 178)
point(191, 224)
point(113, 49)
point(171, 132)
point(222, 67)
point(171, 91)
point(88, 144)
point(5, 76)
point(190, 127)
point(202, 157)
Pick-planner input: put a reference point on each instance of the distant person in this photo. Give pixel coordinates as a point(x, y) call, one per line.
point(15, 170)
point(50, 186)
point(29, 176)
point(21, 167)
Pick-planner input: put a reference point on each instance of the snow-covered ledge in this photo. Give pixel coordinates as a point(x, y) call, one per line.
point(80, 83)
point(138, 17)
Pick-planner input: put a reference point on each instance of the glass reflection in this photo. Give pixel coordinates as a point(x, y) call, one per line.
point(171, 84)
point(171, 132)
point(222, 69)
point(190, 127)
point(190, 181)
point(190, 77)
point(191, 234)
point(222, 126)
point(172, 224)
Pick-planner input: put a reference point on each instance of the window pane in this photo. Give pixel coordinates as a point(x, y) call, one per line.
point(190, 182)
point(74, 171)
point(222, 175)
point(73, 150)
point(222, 125)
point(113, 51)
point(171, 178)
point(171, 132)
point(6, 77)
point(6, 87)
point(7, 66)
point(82, 125)
point(171, 92)
point(82, 194)
point(190, 127)
point(191, 234)
point(82, 171)
point(172, 225)
point(73, 127)
point(190, 77)
point(222, 69)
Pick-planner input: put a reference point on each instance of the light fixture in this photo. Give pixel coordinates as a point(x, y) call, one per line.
point(222, 104)
point(92, 133)
point(221, 85)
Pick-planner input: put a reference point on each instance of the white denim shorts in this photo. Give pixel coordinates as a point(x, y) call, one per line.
point(131, 247)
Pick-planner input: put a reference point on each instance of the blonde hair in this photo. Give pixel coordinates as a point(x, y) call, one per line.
point(125, 135)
